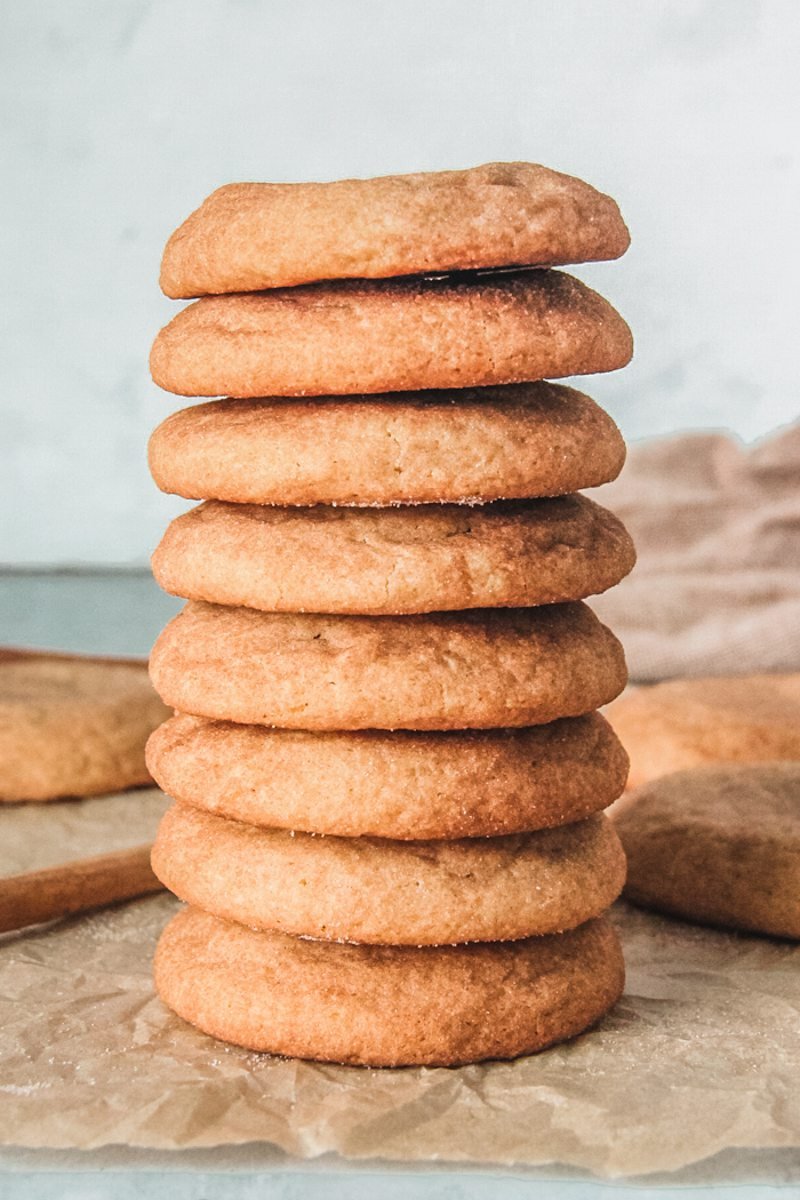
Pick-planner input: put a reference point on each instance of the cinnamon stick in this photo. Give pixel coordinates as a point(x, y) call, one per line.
point(37, 896)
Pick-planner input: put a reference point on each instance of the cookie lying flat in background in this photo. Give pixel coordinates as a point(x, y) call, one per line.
point(369, 336)
point(719, 845)
point(687, 722)
point(72, 725)
point(386, 1006)
point(426, 558)
point(249, 236)
point(466, 446)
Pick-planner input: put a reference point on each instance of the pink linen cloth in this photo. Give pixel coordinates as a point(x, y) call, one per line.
point(716, 590)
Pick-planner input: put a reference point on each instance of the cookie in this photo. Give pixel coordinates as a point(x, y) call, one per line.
point(437, 1006)
point(719, 845)
point(392, 785)
point(479, 445)
point(249, 236)
point(390, 335)
point(481, 669)
point(401, 560)
point(687, 722)
point(72, 725)
point(408, 893)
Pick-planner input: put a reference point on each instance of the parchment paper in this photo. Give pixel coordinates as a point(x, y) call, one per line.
point(701, 1055)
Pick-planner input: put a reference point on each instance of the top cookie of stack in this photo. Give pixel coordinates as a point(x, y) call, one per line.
point(389, 454)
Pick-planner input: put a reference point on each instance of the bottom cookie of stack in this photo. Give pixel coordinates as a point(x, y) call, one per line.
point(386, 1006)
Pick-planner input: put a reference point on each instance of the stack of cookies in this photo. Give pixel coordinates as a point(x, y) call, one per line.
point(388, 769)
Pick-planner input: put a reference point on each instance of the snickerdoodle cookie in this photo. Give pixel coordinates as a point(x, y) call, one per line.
point(477, 445)
point(463, 783)
point(386, 1006)
point(72, 725)
point(249, 236)
point(401, 893)
point(396, 560)
point(481, 669)
point(390, 335)
point(687, 722)
point(719, 845)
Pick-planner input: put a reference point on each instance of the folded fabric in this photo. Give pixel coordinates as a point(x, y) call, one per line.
point(716, 589)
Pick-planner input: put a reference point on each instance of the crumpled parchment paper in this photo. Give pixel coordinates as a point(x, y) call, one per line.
point(701, 1055)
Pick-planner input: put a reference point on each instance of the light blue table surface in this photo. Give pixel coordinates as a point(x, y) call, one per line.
point(121, 613)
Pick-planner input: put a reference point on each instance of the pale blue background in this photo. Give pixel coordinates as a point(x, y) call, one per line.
point(120, 115)
point(302, 1186)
